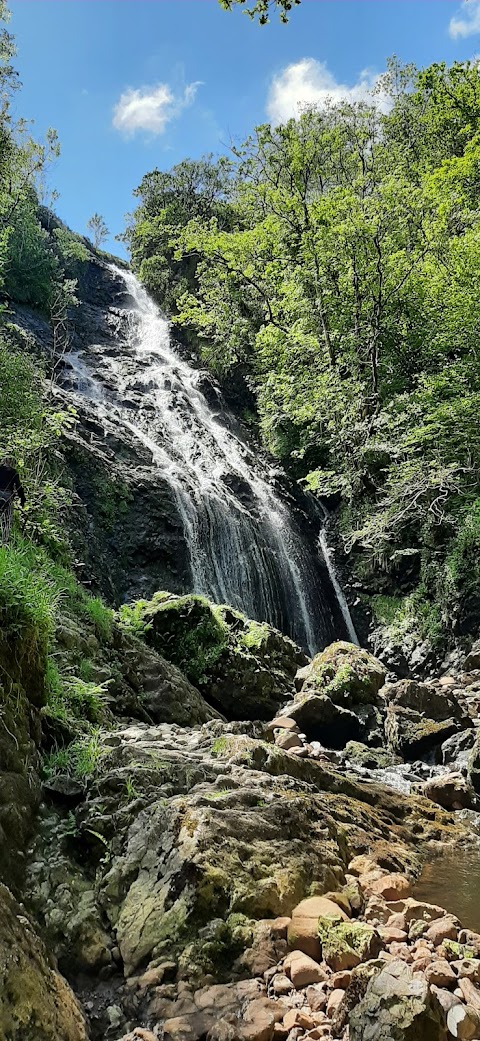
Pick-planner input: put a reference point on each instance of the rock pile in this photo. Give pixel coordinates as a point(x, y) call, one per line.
point(368, 961)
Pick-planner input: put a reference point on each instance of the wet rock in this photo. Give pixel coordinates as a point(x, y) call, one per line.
point(370, 758)
point(396, 1007)
point(36, 1004)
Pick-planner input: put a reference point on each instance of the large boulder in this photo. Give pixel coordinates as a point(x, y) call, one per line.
point(433, 702)
point(397, 1006)
point(347, 674)
point(36, 1004)
point(472, 660)
point(409, 734)
point(209, 830)
point(474, 764)
point(244, 668)
point(451, 791)
point(322, 720)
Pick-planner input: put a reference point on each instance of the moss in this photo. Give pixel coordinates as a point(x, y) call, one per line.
point(370, 758)
point(345, 672)
point(344, 943)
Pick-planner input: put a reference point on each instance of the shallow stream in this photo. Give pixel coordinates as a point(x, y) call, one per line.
point(453, 881)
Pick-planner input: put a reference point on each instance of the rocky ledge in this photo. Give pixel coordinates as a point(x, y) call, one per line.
point(206, 878)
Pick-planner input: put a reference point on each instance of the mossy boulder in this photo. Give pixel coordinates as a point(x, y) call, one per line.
point(36, 1004)
point(433, 702)
point(370, 758)
point(243, 668)
point(346, 944)
point(347, 674)
point(410, 734)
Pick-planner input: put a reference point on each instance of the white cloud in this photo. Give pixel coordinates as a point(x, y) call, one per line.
point(467, 21)
point(310, 82)
point(150, 108)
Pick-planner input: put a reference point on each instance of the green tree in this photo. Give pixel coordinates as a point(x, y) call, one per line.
point(261, 8)
point(96, 225)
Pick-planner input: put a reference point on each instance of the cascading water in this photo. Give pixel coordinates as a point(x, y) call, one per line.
point(245, 547)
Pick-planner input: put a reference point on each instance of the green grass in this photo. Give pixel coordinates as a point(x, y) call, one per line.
point(78, 759)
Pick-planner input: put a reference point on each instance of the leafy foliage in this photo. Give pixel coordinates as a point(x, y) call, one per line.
point(260, 8)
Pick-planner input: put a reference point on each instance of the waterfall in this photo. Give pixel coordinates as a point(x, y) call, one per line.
point(245, 546)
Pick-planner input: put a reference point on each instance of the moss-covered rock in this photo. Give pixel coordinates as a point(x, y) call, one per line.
point(370, 758)
point(348, 674)
point(346, 944)
point(410, 735)
point(36, 1004)
point(244, 668)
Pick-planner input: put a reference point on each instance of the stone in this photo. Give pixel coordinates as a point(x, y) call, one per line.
point(389, 934)
point(470, 992)
point(303, 936)
point(314, 906)
point(334, 1001)
point(283, 723)
point(303, 970)
point(411, 735)
point(288, 740)
point(324, 721)
point(396, 1007)
point(451, 791)
point(297, 1018)
point(246, 666)
point(472, 660)
point(467, 968)
point(281, 984)
point(463, 1022)
point(341, 980)
point(391, 887)
point(348, 674)
point(442, 929)
point(429, 701)
point(440, 973)
point(279, 928)
point(444, 998)
point(316, 998)
point(346, 944)
point(36, 1003)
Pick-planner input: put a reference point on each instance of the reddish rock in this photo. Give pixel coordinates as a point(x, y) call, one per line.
point(302, 935)
point(296, 1017)
point(391, 935)
point(470, 992)
point(314, 906)
point(303, 970)
point(443, 929)
point(440, 974)
point(335, 999)
point(467, 968)
point(392, 887)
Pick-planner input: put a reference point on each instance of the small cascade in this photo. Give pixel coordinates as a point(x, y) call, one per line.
point(246, 547)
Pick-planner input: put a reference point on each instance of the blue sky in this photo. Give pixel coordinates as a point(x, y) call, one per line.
point(134, 84)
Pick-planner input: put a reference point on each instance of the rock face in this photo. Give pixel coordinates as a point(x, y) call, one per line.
point(396, 1007)
point(247, 668)
point(36, 1003)
point(22, 694)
